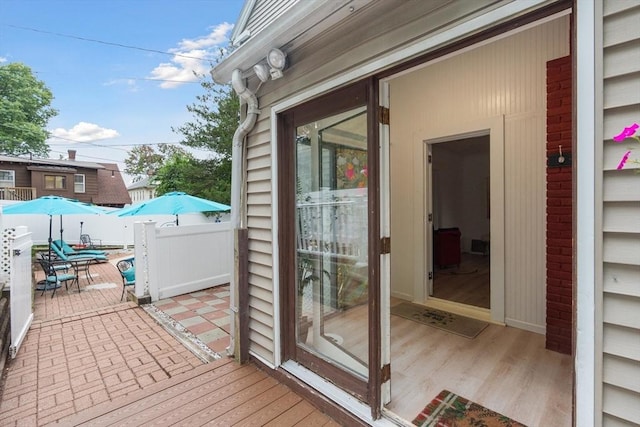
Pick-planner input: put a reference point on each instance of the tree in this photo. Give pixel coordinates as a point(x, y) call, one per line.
point(144, 160)
point(209, 179)
point(24, 111)
point(216, 117)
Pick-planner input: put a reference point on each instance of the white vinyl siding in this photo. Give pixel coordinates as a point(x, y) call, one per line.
point(620, 351)
point(264, 12)
point(259, 224)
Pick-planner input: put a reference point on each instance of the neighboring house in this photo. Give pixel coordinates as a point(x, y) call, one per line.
point(144, 189)
point(30, 178)
point(347, 158)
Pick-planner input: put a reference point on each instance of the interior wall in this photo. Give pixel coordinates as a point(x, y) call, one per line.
point(504, 78)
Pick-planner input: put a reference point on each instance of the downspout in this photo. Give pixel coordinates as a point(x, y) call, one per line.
point(237, 187)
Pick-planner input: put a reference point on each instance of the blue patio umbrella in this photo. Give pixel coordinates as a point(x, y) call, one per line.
point(174, 203)
point(51, 205)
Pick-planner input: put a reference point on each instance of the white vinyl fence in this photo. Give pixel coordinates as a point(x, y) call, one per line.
point(108, 229)
point(17, 244)
point(173, 261)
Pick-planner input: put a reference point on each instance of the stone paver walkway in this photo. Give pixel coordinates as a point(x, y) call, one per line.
point(205, 314)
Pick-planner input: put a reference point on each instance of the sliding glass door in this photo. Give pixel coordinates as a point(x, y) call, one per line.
point(327, 226)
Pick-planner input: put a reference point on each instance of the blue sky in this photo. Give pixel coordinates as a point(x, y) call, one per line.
point(111, 98)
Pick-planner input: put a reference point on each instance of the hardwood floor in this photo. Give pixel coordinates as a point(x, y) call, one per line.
point(467, 284)
point(505, 369)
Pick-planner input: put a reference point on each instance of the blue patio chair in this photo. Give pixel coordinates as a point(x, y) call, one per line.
point(127, 271)
point(69, 251)
point(53, 278)
point(57, 264)
point(61, 255)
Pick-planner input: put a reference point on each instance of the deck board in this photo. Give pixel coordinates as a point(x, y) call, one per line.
point(293, 415)
point(220, 393)
point(272, 410)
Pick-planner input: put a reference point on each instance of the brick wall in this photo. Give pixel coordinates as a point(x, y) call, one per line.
point(559, 208)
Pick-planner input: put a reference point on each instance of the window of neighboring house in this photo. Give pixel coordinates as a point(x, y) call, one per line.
point(55, 182)
point(78, 183)
point(7, 178)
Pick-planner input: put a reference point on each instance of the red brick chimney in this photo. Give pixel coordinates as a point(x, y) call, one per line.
point(72, 154)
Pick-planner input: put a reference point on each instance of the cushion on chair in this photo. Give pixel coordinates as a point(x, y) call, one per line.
point(129, 275)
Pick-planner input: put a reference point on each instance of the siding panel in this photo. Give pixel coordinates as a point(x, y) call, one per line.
point(622, 310)
point(622, 279)
point(622, 373)
point(621, 222)
point(622, 217)
point(622, 342)
point(621, 248)
point(622, 404)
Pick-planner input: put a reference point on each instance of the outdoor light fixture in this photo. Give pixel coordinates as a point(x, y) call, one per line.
point(277, 60)
point(262, 72)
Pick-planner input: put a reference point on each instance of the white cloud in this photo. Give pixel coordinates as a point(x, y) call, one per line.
point(3, 59)
point(84, 132)
point(191, 56)
point(130, 84)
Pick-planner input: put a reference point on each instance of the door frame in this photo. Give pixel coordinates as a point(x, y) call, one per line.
point(363, 92)
point(494, 128)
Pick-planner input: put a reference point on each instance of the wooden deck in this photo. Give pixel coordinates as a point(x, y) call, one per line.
point(219, 393)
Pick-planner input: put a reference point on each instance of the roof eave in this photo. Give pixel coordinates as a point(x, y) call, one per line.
point(302, 17)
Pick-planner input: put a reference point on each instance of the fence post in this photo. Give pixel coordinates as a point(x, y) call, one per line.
point(146, 259)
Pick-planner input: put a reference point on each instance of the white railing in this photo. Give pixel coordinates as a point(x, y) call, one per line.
point(173, 261)
point(17, 193)
point(333, 222)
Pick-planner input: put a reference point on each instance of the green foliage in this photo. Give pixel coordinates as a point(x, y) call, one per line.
point(144, 160)
point(216, 118)
point(24, 111)
point(209, 179)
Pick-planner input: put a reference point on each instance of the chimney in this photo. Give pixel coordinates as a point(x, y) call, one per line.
point(72, 154)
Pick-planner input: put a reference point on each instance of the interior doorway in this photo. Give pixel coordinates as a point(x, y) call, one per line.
point(460, 200)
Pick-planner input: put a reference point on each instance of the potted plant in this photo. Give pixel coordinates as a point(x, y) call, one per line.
point(308, 272)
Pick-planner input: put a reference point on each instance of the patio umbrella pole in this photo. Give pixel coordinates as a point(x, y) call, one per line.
point(50, 233)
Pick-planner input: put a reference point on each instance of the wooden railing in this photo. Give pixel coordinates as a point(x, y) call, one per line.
point(17, 193)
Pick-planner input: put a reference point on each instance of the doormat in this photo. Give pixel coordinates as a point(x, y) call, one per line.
point(450, 410)
point(460, 325)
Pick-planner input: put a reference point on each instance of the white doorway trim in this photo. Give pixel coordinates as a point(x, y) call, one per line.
point(494, 127)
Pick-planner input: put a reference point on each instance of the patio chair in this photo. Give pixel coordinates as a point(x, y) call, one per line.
point(85, 239)
point(58, 265)
point(127, 271)
point(68, 250)
point(61, 255)
point(53, 278)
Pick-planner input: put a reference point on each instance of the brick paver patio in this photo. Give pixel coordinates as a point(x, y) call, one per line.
point(88, 350)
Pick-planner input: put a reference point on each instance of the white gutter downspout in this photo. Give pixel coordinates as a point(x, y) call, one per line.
point(237, 186)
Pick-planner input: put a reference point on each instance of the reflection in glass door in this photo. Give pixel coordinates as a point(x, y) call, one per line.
point(331, 176)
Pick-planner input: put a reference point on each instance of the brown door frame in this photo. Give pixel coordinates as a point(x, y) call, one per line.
point(362, 93)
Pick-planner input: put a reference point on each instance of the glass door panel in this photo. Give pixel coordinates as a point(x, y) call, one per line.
point(332, 319)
